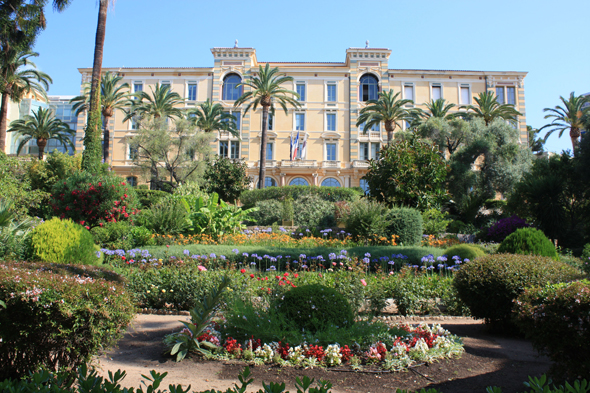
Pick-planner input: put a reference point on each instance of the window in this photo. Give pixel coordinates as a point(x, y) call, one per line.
point(234, 150)
point(409, 91)
point(375, 150)
point(231, 91)
point(330, 121)
point(269, 182)
point(330, 152)
point(299, 121)
point(270, 122)
point(300, 89)
point(191, 93)
point(364, 184)
point(465, 95)
point(374, 127)
point(238, 116)
point(331, 92)
point(364, 151)
point(299, 181)
point(500, 95)
point(269, 151)
point(436, 91)
point(132, 181)
point(369, 88)
point(223, 147)
point(511, 95)
point(132, 153)
point(134, 123)
point(137, 87)
point(330, 182)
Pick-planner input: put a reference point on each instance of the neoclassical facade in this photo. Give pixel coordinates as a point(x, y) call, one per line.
point(332, 150)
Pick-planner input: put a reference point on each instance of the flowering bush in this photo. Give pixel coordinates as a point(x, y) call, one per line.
point(555, 319)
point(504, 227)
point(57, 320)
point(92, 200)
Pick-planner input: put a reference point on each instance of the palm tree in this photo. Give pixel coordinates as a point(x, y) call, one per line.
point(489, 109)
point(19, 78)
point(388, 109)
point(211, 117)
point(42, 126)
point(266, 90)
point(570, 116)
point(92, 139)
point(160, 104)
point(439, 109)
point(112, 96)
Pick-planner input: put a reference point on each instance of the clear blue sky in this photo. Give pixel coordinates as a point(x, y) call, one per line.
point(547, 39)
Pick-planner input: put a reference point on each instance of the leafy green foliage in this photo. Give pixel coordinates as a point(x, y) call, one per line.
point(490, 284)
point(313, 211)
point(15, 186)
point(63, 241)
point(149, 198)
point(367, 218)
point(465, 251)
point(435, 221)
point(186, 341)
point(528, 241)
point(554, 318)
point(56, 320)
point(389, 109)
point(113, 235)
point(168, 217)
point(57, 166)
point(215, 217)
point(268, 213)
point(331, 194)
point(312, 307)
point(92, 155)
point(409, 173)
point(448, 134)
point(92, 199)
point(406, 223)
point(228, 178)
point(14, 234)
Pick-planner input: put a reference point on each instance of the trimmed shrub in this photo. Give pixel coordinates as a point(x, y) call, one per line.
point(312, 211)
point(528, 241)
point(490, 284)
point(313, 307)
point(142, 236)
point(54, 320)
point(435, 221)
point(148, 198)
point(367, 218)
point(555, 319)
point(465, 251)
point(113, 235)
point(269, 212)
point(406, 223)
point(330, 194)
point(90, 199)
point(63, 241)
point(504, 227)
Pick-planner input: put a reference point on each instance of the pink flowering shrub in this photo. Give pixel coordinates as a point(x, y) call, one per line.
point(57, 316)
point(556, 318)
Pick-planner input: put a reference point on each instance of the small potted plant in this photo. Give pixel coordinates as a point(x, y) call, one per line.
point(288, 212)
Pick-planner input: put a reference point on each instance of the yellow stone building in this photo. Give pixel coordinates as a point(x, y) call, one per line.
point(332, 151)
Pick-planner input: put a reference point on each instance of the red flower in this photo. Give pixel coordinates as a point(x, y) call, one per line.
point(243, 271)
point(252, 276)
point(123, 258)
point(296, 275)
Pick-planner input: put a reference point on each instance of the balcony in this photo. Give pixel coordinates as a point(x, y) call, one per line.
point(269, 164)
point(330, 164)
point(299, 164)
point(360, 164)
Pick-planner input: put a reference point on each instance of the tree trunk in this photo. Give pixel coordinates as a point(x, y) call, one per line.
point(92, 137)
point(262, 173)
point(41, 143)
point(574, 136)
point(107, 140)
point(3, 121)
point(389, 129)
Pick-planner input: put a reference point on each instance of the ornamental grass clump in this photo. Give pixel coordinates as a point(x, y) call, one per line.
point(528, 241)
point(56, 319)
point(490, 284)
point(556, 319)
point(314, 307)
point(63, 241)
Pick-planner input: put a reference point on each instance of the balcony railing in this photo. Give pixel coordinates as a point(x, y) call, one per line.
point(299, 163)
point(331, 164)
point(269, 163)
point(360, 164)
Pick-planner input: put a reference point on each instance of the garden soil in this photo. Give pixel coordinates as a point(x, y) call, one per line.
point(489, 360)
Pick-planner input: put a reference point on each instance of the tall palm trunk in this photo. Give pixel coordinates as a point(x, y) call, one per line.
point(575, 137)
point(107, 139)
point(92, 138)
point(262, 173)
point(389, 129)
point(41, 143)
point(3, 121)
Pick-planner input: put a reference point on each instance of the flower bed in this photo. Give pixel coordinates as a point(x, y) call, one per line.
point(403, 347)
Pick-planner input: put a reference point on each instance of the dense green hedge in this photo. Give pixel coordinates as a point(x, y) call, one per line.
point(148, 198)
point(490, 284)
point(57, 316)
point(331, 194)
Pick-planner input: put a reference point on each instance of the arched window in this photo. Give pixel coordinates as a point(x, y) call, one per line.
point(230, 90)
point(369, 88)
point(330, 182)
point(299, 181)
point(132, 181)
point(269, 182)
point(365, 186)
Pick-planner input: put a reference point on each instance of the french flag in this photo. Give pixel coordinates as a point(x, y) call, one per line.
point(295, 147)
